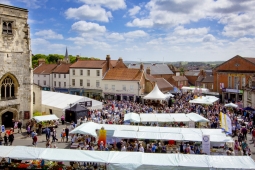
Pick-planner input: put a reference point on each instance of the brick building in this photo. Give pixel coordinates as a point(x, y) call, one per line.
point(232, 76)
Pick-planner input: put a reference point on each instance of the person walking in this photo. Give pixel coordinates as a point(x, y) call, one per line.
point(63, 135)
point(19, 126)
point(54, 135)
point(1, 138)
point(47, 133)
point(5, 139)
point(67, 133)
point(11, 138)
point(63, 119)
point(35, 140)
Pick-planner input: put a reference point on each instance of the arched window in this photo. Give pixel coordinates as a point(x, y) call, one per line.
point(7, 88)
point(33, 97)
point(7, 27)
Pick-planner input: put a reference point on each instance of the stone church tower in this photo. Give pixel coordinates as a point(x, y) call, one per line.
point(15, 65)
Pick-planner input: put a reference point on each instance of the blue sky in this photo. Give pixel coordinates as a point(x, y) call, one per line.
point(151, 30)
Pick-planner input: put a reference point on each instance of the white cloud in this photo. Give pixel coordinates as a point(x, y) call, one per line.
point(209, 38)
point(116, 36)
point(111, 4)
point(135, 34)
point(49, 34)
point(144, 23)
point(87, 12)
point(180, 30)
point(133, 11)
point(90, 42)
point(34, 3)
point(88, 27)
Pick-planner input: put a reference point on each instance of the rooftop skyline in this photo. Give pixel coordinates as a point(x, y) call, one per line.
point(148, 30)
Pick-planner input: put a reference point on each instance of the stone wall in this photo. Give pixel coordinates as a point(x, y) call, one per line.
point(15, 59)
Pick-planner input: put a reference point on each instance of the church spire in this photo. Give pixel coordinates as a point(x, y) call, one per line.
point(66, 56)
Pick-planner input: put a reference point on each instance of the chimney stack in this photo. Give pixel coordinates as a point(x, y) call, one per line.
point(41, 61)
point(120, 60)
point(77, 57)
point(141, 67)
point(108, 61)
point(148, 70)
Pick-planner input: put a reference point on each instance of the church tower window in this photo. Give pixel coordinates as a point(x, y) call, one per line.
point(7, 88)
point(7, 27)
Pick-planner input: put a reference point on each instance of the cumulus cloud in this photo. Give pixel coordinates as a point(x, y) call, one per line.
point(135, 34)
point(111, 4)
point(90, 42)
point(180, 30)
point(87, 12)
point(208, 38)
point(88, 27)
point(49, 34)
point(6, 2)
point(133, 11)
point(144, 23)
point(33, 3)
point(116, 36)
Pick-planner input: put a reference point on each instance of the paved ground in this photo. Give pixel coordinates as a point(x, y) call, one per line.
point(21, 139)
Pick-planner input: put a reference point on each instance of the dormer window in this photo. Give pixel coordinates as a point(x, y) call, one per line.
point(7, 27)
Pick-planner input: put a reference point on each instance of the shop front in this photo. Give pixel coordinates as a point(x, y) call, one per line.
point(232, 95)
point(119, 97)
point(46, 88)
point(61, 90)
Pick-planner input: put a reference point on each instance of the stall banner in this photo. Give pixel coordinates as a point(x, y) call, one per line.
point(206, 144)
point(229, 124)
point(102, 136)
point(3, 128)
point(223, 121)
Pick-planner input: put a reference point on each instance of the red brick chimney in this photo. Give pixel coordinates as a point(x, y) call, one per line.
point(148, 70)
point(108, 61)
point(141, 67)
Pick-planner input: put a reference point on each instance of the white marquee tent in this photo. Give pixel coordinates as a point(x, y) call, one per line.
point(155, 94)
point(185, 88)
point(167, 117)
point(133, 117)
point(58, 102)
point(45, 118)
point(209, 100)
point(131, 160)
point(231, 105)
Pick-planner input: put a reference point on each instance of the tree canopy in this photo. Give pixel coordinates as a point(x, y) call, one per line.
point(53, 58)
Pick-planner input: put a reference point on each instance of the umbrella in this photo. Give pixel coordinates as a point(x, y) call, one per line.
point(248, 108)
point(231, 105)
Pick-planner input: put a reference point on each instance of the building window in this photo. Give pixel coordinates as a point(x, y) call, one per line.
point(230, 82)
point(7, 27)
point(131, 87)
point(44, 82)
point(33, 97)
point(88, 83)
point(73, 82)
point(98, 72)
point(64, 84)
point(113, 87)
point(97, 83)
point(81, 82)
point(243, 82)
point(54, 75)
point(236, 82)
point(124, 87)
point(249, 95)
point(73, 72)
point(88, 72)
point(106, 86)
point(7, 88)
point(59, 84)
point(38, 82)
point(55, 84)
point(64, 75)
point(59, 75)
point(81, 72)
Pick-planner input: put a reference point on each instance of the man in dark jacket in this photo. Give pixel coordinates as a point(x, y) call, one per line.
point(67, 133)
point(47, 133)
point(19, 126)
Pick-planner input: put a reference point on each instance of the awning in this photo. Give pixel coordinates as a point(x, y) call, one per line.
point(45, 118)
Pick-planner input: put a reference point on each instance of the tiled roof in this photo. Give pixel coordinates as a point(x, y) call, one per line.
point(88, 64)
point(113, 62)
point(206, 79)
point(62, 68)
point(155, 68)
point(180, 78)
point(123, 74)
point(192, 73)
point(150, 77)
point(162, 83)
point(250, 59)
point(44, 69)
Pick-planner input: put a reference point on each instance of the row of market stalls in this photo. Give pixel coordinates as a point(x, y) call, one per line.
point(130, 160)
point(165, 117)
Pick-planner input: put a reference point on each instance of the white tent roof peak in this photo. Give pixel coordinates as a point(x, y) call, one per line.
point(155, 94)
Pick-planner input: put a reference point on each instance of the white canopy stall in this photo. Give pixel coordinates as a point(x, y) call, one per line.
point(231, 105)
point(45, 118)
point(58, 102)
point(185, 89)
point(209, 100)
point(133, 117)
point(155, 94)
